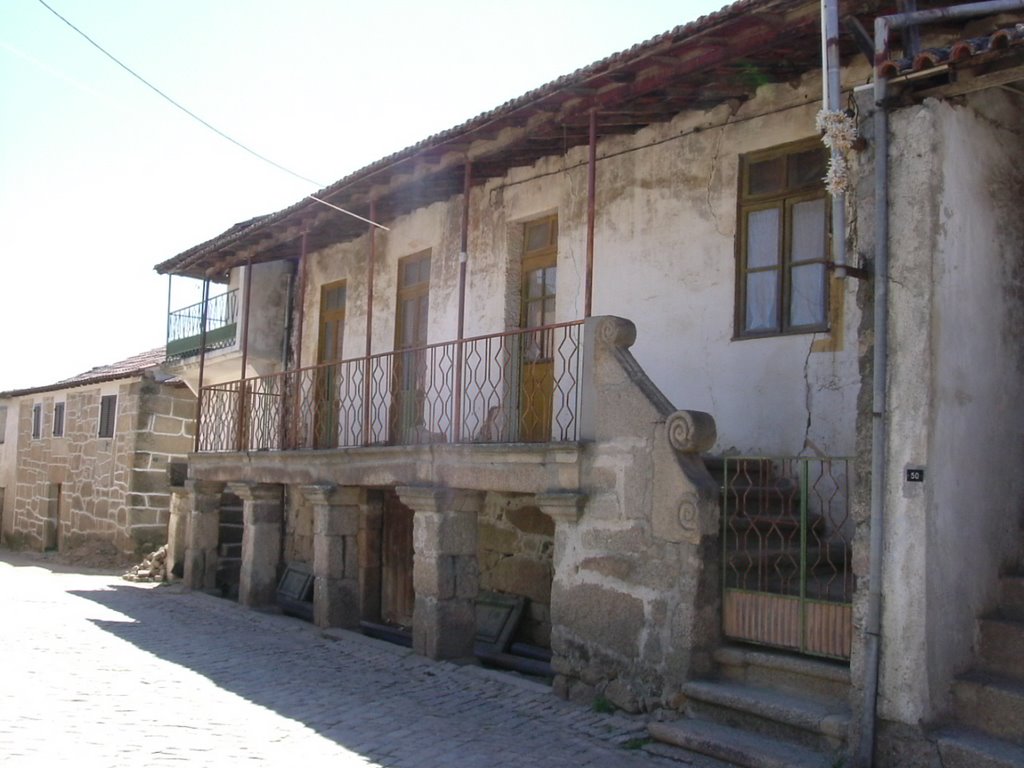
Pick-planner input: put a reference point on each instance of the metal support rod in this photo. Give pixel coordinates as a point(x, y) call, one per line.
point(242, 391)
point(832, 91)
point(202, 360)
point(591, 214)
point(467, 182)
point(170, 279)
point(301, 307)
point(371, 263)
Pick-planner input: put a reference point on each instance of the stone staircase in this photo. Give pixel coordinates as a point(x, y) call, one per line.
point(764, 709)
point(988, 701)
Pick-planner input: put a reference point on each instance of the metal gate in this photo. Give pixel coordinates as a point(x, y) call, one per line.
point(787, 576)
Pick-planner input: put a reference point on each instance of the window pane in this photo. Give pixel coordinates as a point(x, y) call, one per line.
point(534, 314)
point(808, 231)
point(807, 303)
point(538, 235)
point(766, 176)
point(763, 238)
point(762, 301)
point(807, 169)
point(550, 276)
point(535, 283)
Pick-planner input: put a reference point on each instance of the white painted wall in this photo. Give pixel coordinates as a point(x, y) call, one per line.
point(665, 258)
point(8, 462)
point(955, 389)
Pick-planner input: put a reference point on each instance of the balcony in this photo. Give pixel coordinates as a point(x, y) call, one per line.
point(184, 326)
point(518, 386)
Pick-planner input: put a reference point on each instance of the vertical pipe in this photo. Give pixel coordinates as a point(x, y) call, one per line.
point(832, 101)
point(242, 387)
point(591, 213)
point(371, 263)
point(873, 622)
point(467, 181)
point(170, 278)
point(300, 321)
point(202, 360)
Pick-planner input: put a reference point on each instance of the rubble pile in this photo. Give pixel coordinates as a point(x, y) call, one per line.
point(152, 568)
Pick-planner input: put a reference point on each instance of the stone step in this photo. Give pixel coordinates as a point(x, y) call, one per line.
point(784, 672)
point(1011, 597)
point(742, 748)
point(964, 748)
point(1002, 646)
point(820, 724)
point(990, 703)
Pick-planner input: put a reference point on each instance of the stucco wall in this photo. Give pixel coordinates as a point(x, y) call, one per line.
point(8, 463)
point(665, 258)
point(113, 489)
point(955, 389)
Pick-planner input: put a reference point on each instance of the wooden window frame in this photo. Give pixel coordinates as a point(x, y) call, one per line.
point(108, 416)
point(37, 421)
point(58, 419)
point(784, 201)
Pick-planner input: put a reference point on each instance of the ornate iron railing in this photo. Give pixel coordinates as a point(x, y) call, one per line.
point(518, 386)
point(786, 565)
point(184, 326)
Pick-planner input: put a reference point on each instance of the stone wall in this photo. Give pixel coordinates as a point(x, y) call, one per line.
point(80, 487)
point(516, 542)
point(298, 528)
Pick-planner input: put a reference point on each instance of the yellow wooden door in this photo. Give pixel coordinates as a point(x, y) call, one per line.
point(540, 256)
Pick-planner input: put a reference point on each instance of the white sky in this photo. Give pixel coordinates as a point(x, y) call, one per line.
point(100, 179)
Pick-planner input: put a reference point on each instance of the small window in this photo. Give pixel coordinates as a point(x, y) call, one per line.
point(782, 242)
point(37, 421)
point(108, 414)
point(58, 420)
point(3, 423)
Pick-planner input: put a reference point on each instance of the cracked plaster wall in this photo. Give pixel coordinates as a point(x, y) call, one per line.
point(956, 304)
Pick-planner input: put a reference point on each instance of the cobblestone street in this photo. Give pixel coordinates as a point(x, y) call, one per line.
point(100, 672)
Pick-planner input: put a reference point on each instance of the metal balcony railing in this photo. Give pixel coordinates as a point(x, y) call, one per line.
point(184, 326)
point(518, 386)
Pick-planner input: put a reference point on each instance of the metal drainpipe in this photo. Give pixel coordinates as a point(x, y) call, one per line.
point(202, 360)
point(873, 629)
point(831, 99)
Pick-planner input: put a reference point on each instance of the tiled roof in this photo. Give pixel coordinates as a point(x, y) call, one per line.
point(720, 56)
point(131, 366)
point(961, 52)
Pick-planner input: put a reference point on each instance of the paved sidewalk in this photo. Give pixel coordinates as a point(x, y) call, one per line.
point(96, 671)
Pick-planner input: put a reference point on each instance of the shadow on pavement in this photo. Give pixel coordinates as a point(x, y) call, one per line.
point(377, 700)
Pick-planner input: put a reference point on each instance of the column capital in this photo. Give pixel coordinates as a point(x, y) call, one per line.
point(561, 507)
point(433, 498)
point(331, 495)
point(204, 487)
point(255, 491)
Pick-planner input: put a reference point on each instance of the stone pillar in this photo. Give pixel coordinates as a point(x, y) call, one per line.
point(203, 534)
point(445, 573)
point(565, 509)
point(177, 530)
point(262, 512)
point(371, 519)
point(336, 513)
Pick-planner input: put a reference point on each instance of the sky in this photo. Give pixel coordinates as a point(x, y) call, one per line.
point(101, 179)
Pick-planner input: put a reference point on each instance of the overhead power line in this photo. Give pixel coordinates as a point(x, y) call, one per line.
point(200, 120)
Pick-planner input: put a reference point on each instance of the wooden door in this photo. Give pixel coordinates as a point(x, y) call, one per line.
point(540, 256)
point(329, 350)
point(411, 336)
point(397, 596)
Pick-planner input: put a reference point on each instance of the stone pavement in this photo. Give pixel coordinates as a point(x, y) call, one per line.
point(96, 671)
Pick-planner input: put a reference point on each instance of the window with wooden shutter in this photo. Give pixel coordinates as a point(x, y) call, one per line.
point(108, 415)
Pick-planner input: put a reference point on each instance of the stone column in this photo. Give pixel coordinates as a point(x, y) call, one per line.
point(177, 530)
point(336, 513)
point(565, 509)
point(445, 573)
point(262, 513)
point(203, 534)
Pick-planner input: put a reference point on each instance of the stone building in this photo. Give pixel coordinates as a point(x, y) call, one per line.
point(86, 459)
point(742, 449)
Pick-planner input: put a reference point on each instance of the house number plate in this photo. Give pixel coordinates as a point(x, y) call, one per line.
point(915, 474)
